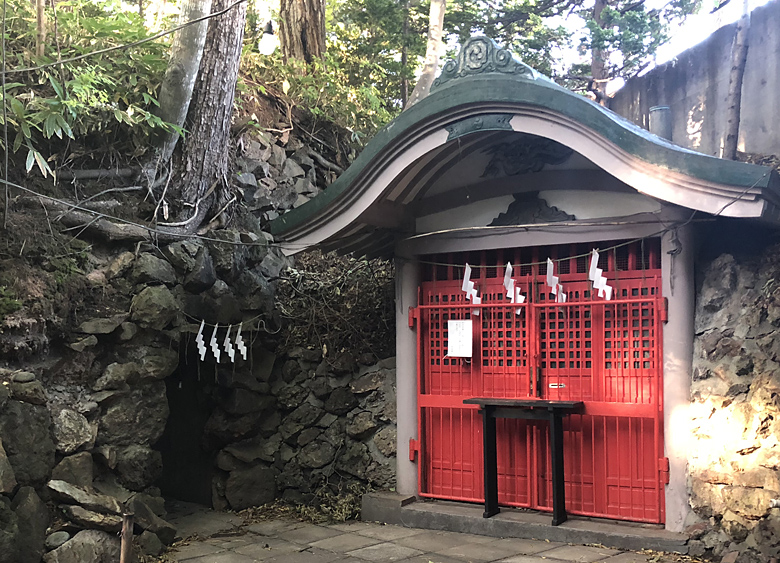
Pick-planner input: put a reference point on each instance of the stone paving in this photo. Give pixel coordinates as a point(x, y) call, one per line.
point(223, 538)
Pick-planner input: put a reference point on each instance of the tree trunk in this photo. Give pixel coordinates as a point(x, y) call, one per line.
point(598, 64)
point(739, 51)
point(302, 29)
point(204, 169)
point(405, 56)
point(40, 35)
point(432, 52)
point(179, 81)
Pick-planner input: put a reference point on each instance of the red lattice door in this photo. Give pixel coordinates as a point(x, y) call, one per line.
point(604, 353)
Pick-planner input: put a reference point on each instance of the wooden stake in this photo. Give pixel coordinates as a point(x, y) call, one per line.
point(126, 554)
point(739, 53)
point(40, 36)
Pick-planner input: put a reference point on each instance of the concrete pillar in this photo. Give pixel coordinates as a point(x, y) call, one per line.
point(407, 281)
point(678, 288)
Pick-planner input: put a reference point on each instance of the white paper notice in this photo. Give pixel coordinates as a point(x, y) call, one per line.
point(459, 339)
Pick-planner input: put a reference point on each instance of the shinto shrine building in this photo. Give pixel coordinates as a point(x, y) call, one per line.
point(497, 166)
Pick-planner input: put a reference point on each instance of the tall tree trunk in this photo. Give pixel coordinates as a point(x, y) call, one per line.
point(179, 81)
point(302, 29)
point(405, 56)
point(598, 64)
point(739, 51)
point(40, 35)
point(204, 167)
point(432, 52)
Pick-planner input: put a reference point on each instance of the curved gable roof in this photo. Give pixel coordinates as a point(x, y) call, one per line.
point(487, 90)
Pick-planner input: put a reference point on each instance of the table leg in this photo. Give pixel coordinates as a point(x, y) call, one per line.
point(556, 459)
point(490, 462)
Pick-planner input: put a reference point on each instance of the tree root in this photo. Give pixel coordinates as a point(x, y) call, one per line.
point(99, 224)
point(67, 175)
point(324, 162)
point(93, 222)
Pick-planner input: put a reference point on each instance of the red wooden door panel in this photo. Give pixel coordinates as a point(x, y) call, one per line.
point(604, 353)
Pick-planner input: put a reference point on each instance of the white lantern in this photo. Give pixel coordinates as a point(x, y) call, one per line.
point(268, 42)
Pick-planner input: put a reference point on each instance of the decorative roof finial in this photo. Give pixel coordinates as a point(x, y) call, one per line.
point(480, 55)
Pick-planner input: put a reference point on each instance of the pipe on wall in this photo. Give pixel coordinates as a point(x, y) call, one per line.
point(661, 122)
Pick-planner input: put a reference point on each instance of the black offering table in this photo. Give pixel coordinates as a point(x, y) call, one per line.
point(535, 409)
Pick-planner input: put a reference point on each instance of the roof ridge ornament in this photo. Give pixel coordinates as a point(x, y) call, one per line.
point(481, 55)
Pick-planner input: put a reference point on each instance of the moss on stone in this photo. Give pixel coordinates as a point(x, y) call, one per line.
point(8, 302)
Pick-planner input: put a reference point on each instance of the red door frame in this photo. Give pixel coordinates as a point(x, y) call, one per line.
point(614, 450)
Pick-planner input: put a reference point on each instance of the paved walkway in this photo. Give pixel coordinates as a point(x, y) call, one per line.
point(224, 538)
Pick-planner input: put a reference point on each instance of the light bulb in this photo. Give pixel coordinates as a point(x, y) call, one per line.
point(268, 42)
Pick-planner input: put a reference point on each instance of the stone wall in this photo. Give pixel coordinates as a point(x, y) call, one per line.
point(78, 430)
point(695, 85)
point(90, 353)
point(734, 460)
point(330, 422)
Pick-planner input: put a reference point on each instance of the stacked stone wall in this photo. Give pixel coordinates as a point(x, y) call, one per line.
point(734, 460)
point(89, 350)
point(329, 424)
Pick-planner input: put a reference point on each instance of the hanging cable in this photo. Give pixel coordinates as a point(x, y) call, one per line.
point(150, 230)
point(557, 260)
point(127, 45)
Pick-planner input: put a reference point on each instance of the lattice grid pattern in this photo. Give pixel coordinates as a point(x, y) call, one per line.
point(607, 354)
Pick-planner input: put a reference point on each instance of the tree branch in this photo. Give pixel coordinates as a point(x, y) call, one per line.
point(92, 222)
point(631, 7)
point(97, 174)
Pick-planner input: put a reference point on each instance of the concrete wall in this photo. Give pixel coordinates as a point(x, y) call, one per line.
point(695, 86)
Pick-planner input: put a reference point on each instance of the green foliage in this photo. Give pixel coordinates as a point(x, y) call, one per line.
point(104, 105)
point(64, 268)
point(100, 102)
point(368, 38)
point(325, 88)
point(628, 31)
point(523, 26)
point(632, 32)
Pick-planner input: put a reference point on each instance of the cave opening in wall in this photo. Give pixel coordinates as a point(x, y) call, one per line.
point(188, 461)
point(215, 447)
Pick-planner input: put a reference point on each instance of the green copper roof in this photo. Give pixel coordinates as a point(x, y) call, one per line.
point(487, 82)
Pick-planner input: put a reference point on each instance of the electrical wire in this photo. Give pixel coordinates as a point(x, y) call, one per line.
point(557, 260)
point(127, 45)
point(745, 191)
point(666, 229)
point(302, 246)
point(530, 226)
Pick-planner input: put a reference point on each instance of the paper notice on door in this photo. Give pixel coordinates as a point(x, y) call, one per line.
point(459, 339)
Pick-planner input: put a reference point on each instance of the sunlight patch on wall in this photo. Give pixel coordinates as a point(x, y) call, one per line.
point(694, 124)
